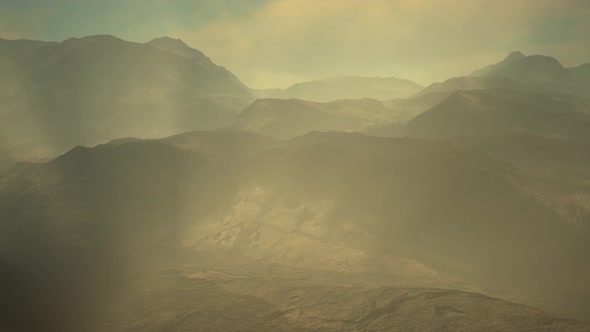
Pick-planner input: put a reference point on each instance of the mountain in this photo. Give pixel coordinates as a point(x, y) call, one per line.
point(581, 73)
point(536, 77)
point(177, 46)
point(513, 57)
point(503, 112)
point(287, 118)
point(197, 298)
point(343, 209)
point(346, 87)
point(535, 71)
point(544, 135)
point(408, 108)
point(471, 83)
point(93, 89)
point(404, 110)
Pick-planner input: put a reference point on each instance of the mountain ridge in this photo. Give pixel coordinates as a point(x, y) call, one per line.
point(287, 118)
point(102, 87)
point(537, 71)
point(346, 87)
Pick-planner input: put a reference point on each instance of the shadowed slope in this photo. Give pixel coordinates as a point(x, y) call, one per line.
point(93, 89)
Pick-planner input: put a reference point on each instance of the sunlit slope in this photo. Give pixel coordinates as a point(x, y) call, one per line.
point(218, 301)
point(328, 206)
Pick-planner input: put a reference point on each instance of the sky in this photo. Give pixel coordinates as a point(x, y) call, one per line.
point(275, 43)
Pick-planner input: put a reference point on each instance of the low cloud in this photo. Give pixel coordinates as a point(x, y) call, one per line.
point(419, 39)
point(274, 43)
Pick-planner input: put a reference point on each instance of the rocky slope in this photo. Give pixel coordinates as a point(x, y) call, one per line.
point(329, 207)
point(182, 299)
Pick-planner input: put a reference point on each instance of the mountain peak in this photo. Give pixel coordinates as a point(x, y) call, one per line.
point(178, 47)
point(514, 55)
point(168, 41)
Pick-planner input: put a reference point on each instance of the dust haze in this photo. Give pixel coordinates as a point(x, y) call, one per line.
point(287, 165)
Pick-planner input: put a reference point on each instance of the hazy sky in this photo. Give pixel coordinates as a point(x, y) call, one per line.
point(273, 43)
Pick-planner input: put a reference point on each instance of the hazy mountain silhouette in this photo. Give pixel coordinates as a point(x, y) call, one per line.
point(514, 56)
point(582, 74)
point(93, 89)
point(536, 71)
point(502, 112)
point(471, 83)
point(520, 85)
point(287, 118)
point(179, 47)
point(404, 110)
point(346, 87)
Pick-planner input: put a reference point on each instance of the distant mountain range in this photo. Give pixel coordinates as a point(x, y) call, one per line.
point(345, 87)
point(293, 117)
point(471, 83)
point(502, 112)
point(93, 89)
point(464, 106)
point(345, 204)
point(520, 93)
point(541, 72)
point(54, 96)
